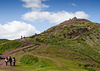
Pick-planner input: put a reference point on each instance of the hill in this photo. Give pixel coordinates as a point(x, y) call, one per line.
point(72, 45)
point(3, 40)
point(78, 35)
point(71, 28)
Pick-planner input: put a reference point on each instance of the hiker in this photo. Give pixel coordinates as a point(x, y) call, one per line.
point(21, 37)
point(6, 60)
point(24, 37)
point(24, 41)
point(14, 61)
point(10, 61)
point(35, 33)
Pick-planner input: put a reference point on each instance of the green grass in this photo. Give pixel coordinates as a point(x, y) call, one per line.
point(27, 63)
point(3, 70)
point(9, 45)
point(78, 45)
point(29, 59)
point(70, 61)
point(87, 44)
point(3, 40)
point(67, 58)
point(41, 65)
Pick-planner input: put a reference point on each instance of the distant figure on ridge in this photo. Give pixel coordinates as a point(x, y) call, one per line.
point(21, 37)
point(6, 60)
point(24, 37)
point(35, 33)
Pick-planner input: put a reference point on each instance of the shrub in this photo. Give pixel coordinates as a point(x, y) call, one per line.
point(28, 59)
point(69, 33)
point(71, 25)
point(42, 39)
point(37, 39)
point(87, 68)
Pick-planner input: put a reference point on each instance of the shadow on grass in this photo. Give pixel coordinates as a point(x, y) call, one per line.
point(1, 58)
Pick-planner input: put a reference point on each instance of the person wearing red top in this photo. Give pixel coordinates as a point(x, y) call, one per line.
point(24, 41)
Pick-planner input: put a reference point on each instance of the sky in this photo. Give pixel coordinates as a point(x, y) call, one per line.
point(27, 17)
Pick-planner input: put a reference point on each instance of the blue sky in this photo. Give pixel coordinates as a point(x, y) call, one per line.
point(26, 17)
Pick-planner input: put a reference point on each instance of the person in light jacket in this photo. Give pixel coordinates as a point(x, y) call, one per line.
point(6, 61)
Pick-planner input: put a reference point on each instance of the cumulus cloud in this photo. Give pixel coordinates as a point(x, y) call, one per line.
point(37, 13)
point(36, 5)
point(15, 29)
point(52, 17)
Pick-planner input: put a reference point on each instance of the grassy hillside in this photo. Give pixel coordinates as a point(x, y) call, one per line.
point(9, 45)
point(3, 40)
point(29, 62)
point(79, 35)
point(53, 58)
point(73, 45)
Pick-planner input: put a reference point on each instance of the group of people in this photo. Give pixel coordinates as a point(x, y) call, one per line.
point(23, 39)
point(10, 60)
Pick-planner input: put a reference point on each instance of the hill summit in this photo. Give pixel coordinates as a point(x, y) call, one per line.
point(71, 28)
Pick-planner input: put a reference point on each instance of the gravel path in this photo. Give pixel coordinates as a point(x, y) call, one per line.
point(8, 53)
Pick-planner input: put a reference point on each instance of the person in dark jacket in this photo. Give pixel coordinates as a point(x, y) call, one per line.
point(10, 61)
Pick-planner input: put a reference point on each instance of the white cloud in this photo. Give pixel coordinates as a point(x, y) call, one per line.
point(73, 4)
point(37, 13)
point(52, 17)
point(16, 29)
point(36, 5)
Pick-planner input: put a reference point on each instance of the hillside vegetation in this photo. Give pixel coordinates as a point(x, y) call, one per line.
point(53, 58)
point(7, 45)
point(79, 35)
point(73, 45)
point(3, 40)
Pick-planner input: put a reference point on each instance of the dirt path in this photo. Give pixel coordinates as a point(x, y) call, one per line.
point(55, 61)
point(6, 54)
point(75, 37)
point(47, 58)
point(12, 68)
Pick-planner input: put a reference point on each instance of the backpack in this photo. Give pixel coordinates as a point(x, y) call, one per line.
point(14, 60)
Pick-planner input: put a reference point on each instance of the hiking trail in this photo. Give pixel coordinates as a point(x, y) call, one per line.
point(8, 53)
point(12, 68)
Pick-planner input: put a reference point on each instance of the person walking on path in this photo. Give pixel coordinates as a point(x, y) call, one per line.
point(14, 61)
point(24, 41)
point(10, 61)
point(6, 60)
